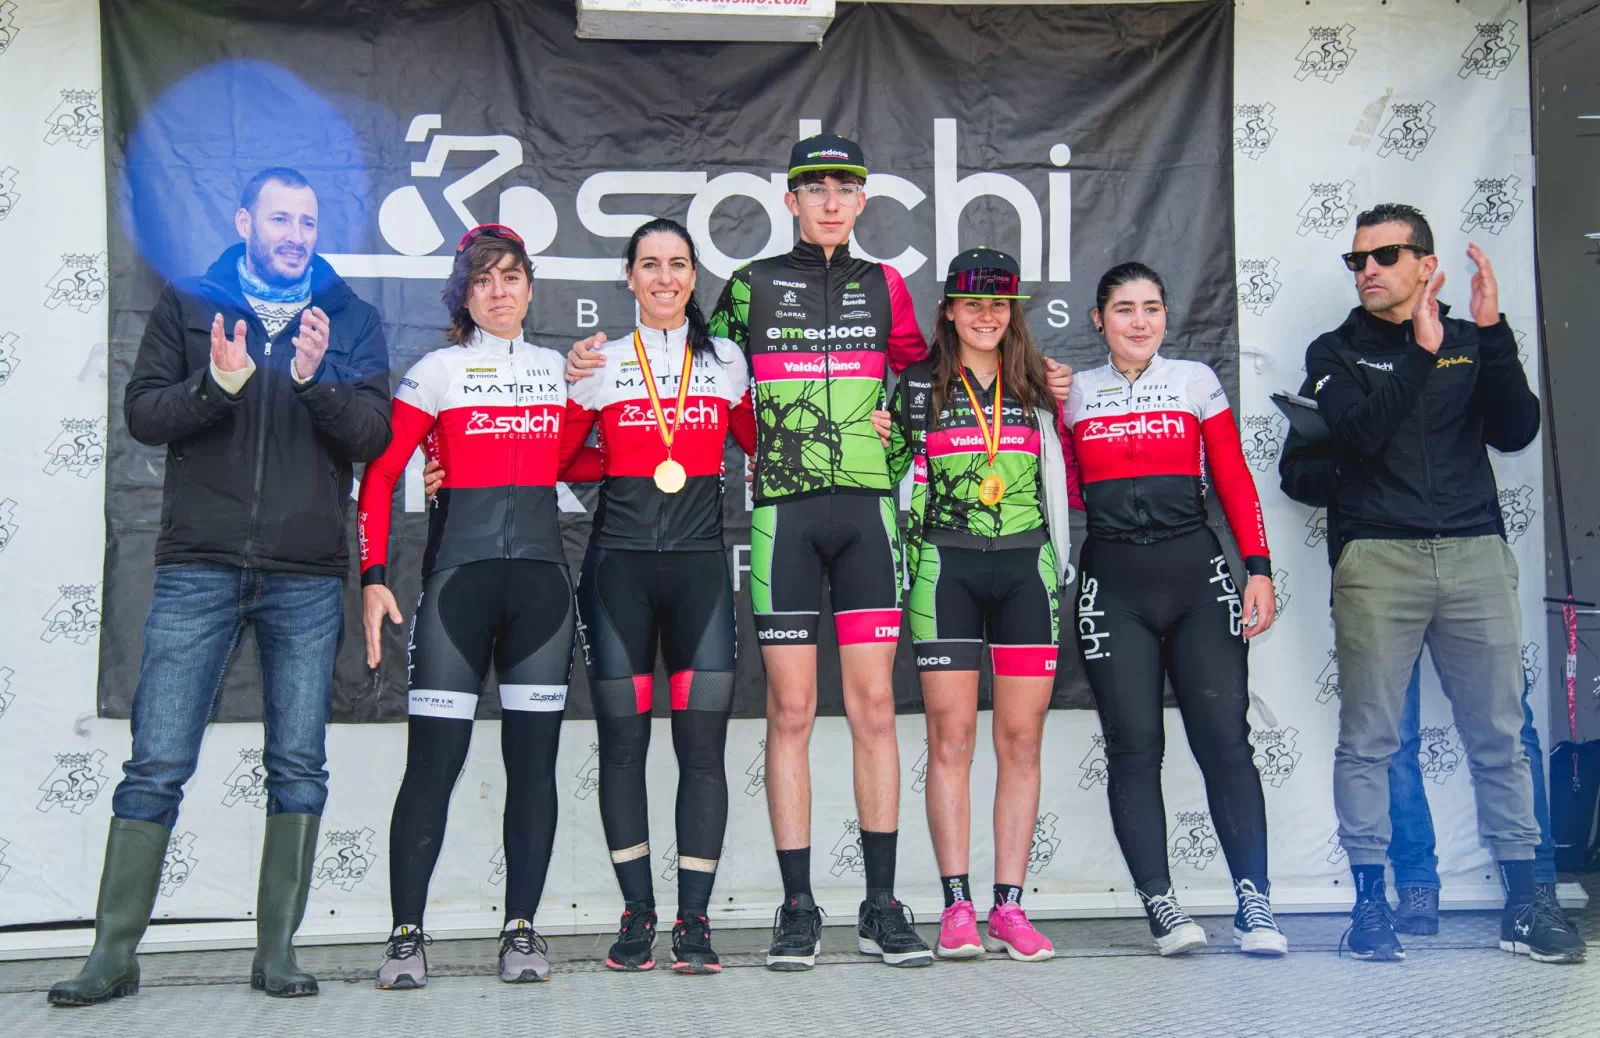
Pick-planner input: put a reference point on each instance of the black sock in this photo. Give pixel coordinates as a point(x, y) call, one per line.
point(1518, 879)
point(694, 892)
point(877, 851)
point(1004, 892)
point(636, 882)
point(956, 888)
point(795, 868)
point(1369, 882)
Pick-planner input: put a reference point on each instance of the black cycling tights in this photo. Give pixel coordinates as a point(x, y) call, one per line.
point(518, 614)
point(1171, 609)
point(627, 599)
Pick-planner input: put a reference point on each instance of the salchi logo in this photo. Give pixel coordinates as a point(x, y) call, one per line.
point(524, 424)
point(1253, 129)
point(1276, 755)
point(74, 615)
point(345, 859)
point(1530, 663)
point(76, 119)
point(1089, 634)
point(9, 197)
point(7, 697)
point(589, 773)
point(1491, 50)
point(1517, 511)
point(1408, 131)
point(1045, 843)
point(1157, 425)
point(247, 782)
point(696, 415)
point(497, 866)
point(1228, 592)
point(1328, 680)
point(8, 356)
point(1193, 841)
point(847, 851)
point(1336, 856)
point(757, 772)
point(1317, 524)
point(8, 34)
point(1093, 764)
point(1441, 752)
point(8, 522)
point(919, 771)
point(1326, 54)
point(1263, 439)
point(1327, 209)
point(79, 448)
point(80, 282)
point(179, 864)
point(1493, 205)
point(74, 783)
point(1258, 284)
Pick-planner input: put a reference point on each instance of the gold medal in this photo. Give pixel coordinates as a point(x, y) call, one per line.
point(670, 477)
point(991, 490)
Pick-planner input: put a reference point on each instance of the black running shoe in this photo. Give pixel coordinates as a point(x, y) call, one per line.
point(636, 940)
point(1546, 892)
point(691, 947)
point(884, 928)
point(796, 934)
point(1539, 930)
point(1418, 911)
point(1371, 932)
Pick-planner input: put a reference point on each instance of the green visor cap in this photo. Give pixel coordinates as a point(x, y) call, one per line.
point(983, 273)
point(827, 151)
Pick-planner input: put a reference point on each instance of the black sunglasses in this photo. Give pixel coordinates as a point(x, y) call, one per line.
point(1386, 255)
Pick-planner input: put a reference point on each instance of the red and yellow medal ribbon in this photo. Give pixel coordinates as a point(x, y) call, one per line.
point(669, 474)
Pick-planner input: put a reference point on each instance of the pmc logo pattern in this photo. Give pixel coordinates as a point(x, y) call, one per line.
point(1263, 439)
point(1194, 842)
point(1517, 511)
point(589, 773)
point(1441, 753)
point(5, 869)
point(8, 25)
point(1045, 843)
point(8, 522)
point(1258, 284)
point(1408, 131)
point(74, 615)
point(9, 195)
point(76, 119)
point(1495, 202)
point(756, 772)
point(919, 771)
point(247, 782)
point(79, 448)
point(74, 783)
point(345, 859)
point(1491, 50)
point(1530, 664)
point(79, 282)
point(1327, 209)
point(847, 851)
point(1275, 755)
point(1317, 528)
point(1326, 54)
point(497, 866)
point(179, 864)
point(1253, 129)
point(7, 697)
point(1280, 587)
point(1093, 764)
point(1337, 855)
point(9, 360)
point(1328, 680)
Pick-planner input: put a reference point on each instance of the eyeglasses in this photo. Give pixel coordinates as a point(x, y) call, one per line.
point(985, 281)
point(817, 194)
point(494, 230)
point(1386, 255)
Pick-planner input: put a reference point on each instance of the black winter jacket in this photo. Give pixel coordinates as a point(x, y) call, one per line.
point(1409, 428)
point(261, 479)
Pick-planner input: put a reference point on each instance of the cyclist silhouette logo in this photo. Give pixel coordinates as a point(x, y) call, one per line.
point(1317, 527)
point(919, 771)
point(1045, 843)
point(589, 773)
point(1280, 587)
point(1194, 842)
point(9, 196)
point(179, 864)
point(1326, 53)
point(1327, 209)
point(757, 772)
point(1336, 854)
point(7, 697)
point(79, 448)
point(1258, 284)
point(247, 782)
point(8, 522)
point(79, 282)
point(1328, 680)
point(1495, 202)
point(8, 35)
point(9, 361)
point(75, 119)
point(1407, 132)
point(1263, 439)
point(1493, 46)
point(1253, 129)
point(847, 851)
point(74, 783)
point(345, 859)
point(1530, 664)
point(1093, 764)
point(1276, 755)
point(497, 866)
point(1517, 511)
point(75, 614)
point(1441, 752)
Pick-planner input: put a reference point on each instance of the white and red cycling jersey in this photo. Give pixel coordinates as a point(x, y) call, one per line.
point(1135, 454)
point(493, 412)
point(633, 512)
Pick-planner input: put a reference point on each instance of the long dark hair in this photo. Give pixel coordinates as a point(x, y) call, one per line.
point(484, 252)
point(1021, 363)
point(699, 327)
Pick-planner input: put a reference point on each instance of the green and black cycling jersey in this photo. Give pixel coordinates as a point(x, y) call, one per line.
point(821, 333)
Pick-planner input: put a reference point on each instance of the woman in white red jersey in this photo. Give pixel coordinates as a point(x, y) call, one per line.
point(495, 589)
point(1156, 600)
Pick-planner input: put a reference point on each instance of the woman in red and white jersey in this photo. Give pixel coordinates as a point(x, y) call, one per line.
point(1156, 601)
point(495, 589)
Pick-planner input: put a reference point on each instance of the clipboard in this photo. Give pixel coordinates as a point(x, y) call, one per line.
point(1303, 415)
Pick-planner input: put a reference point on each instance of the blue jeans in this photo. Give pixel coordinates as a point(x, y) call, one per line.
point(198, 612)
point(1411, 848)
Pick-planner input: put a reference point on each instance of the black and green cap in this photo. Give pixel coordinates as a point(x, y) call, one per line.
point(983, 273)
point(827, 151)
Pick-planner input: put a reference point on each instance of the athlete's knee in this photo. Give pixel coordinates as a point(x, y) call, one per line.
point(790, 716)
point(1017, 745)
point(871, 719)
point(951, 744)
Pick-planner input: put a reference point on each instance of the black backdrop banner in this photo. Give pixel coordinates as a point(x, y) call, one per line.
point(1072, 136)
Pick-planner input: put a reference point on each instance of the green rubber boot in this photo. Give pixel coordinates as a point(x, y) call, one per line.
point(128, 885)
point(286, 859)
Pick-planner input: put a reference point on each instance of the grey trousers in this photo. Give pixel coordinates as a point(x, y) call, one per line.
point(1460, 594)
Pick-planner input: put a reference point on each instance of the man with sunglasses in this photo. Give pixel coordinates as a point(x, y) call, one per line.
point(266, 379)
point(1412, 398)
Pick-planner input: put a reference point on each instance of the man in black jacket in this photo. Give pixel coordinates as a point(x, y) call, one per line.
point(1412, 397)
point(265, 379)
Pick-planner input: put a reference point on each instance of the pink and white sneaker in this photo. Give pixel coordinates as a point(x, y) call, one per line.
point(958, 933)
point(1010, 932)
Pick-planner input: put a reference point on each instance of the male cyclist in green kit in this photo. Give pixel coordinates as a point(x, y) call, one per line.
point(822, 328)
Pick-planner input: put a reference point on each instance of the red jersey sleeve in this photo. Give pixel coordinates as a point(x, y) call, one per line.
point(906, 344)
point(575, 426)
point(1230, 474)
point(742, 423)
point(410, 424)
point(588, 466)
